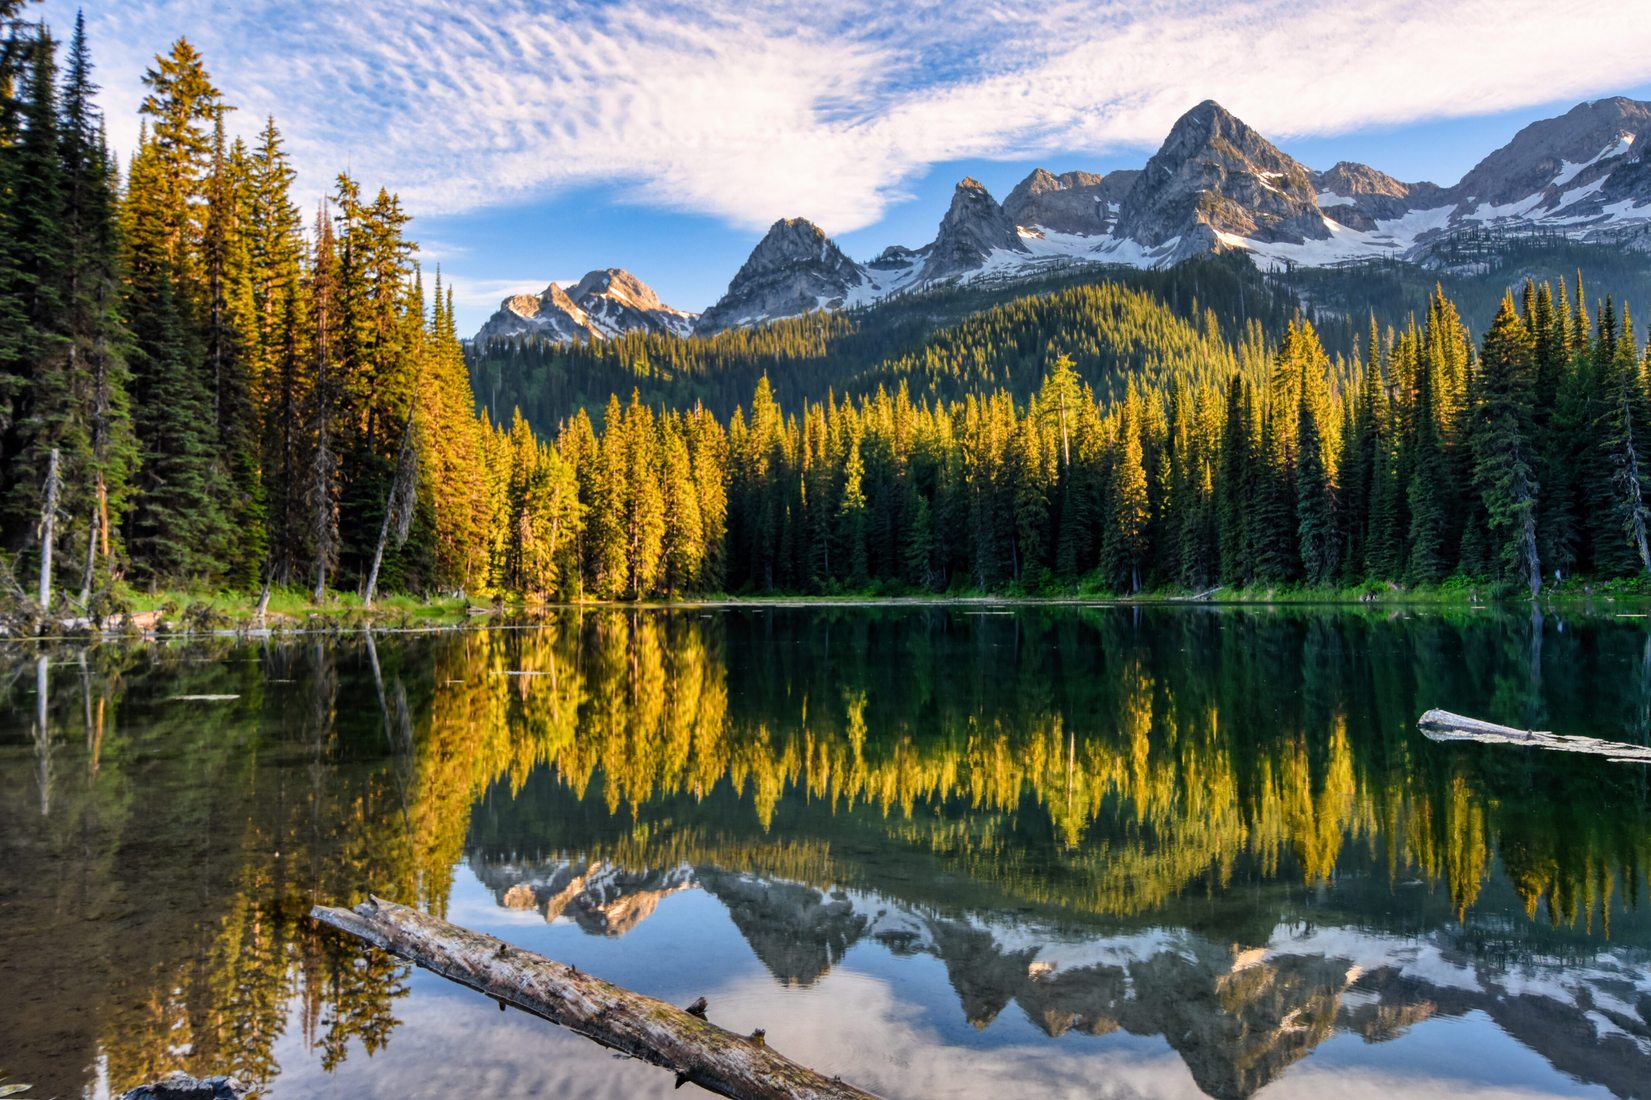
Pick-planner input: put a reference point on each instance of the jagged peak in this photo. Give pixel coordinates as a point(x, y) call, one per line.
point(619, 284)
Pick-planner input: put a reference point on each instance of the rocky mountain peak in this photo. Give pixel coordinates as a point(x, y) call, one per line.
point(974, 227)
point(620, 285)
point(1080, 203)
point(603, 304)
point(1360, 197)
point(1556, 155)
point(794, 269)
point(1216, 178)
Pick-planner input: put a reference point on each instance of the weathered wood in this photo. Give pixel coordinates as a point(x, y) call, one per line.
point(48, 529)
point(697, 1051)
point(1442, 725)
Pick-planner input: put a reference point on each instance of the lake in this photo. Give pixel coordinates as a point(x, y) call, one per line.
point(955, 850)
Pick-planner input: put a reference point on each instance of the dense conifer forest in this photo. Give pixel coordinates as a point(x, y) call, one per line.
point(202, 385)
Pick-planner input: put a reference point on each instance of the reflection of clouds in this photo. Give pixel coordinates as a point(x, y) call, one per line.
point(452, 1043)
point(871, 1035)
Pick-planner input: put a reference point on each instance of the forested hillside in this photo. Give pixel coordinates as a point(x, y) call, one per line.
point(1426, 456)
point(949, 337)
point(199, 388)
point(976, 339)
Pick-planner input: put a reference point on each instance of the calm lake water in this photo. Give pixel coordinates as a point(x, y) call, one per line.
point(946, 851)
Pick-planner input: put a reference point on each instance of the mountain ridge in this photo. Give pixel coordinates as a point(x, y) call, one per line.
point(1214, 185)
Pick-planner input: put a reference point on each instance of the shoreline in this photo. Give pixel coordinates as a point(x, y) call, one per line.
point(166, 616)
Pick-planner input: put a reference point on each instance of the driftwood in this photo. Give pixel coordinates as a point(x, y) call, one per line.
point(1441, 725)
point(680, 1040)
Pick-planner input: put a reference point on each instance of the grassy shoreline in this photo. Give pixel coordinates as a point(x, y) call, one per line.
point(173, 613)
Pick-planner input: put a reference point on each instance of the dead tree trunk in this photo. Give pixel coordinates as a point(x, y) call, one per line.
point(48, 528)
point(680, 1040)
point(90, 569)
point(398, 505)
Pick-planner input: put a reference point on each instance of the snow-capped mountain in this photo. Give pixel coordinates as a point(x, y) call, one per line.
point(1214, 185)
point(794, 269)
point(603, 304)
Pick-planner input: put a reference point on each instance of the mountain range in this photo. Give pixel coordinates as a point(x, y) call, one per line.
point(1215, 185)
point(1238, 1015)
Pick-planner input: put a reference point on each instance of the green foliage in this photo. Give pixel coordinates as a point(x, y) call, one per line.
point(237, 402)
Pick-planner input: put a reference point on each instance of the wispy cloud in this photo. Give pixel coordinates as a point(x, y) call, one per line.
point(752, 111)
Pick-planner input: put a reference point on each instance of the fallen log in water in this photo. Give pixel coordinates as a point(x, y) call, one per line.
point(1442, 725)
point(681, 1040)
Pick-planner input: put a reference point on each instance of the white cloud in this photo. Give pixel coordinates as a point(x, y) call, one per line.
point(753, 111)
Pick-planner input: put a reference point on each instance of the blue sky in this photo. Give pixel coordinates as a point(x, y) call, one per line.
point(536, 140)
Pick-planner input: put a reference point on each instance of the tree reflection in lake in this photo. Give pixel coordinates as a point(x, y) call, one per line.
point(1216, 827)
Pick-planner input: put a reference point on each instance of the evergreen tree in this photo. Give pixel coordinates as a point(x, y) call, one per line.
point(1125, 548)
point(1315, 503)
point(1500, 440)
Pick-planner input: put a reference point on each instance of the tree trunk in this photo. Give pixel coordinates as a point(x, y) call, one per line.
point(48, 527)
point(397, 505)
point(683, 1041)
point(91, 561)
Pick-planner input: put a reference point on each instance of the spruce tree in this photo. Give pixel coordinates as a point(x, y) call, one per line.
point(1316, 525)
point(1500, 441)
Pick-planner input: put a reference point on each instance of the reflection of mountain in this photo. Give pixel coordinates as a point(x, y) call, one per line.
point(1030, 798)
point(798, 932)
point(1238, 1016)
point(601, 898)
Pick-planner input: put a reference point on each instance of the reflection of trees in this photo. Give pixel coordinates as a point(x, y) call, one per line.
point(1159, 756)
point(173, 877)
point(1093, 763)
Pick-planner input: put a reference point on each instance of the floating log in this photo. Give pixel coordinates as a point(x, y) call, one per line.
point(1442, 725)
point(683, 1041)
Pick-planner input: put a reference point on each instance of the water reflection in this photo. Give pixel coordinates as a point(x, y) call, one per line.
point(1218, 829)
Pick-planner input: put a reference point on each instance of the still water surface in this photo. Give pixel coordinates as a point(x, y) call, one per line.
point(948, 851)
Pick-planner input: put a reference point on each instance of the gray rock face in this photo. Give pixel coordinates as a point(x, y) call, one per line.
point(794, 269)
point(1080, 203)
point(1214, 175)
point(1537, 154)
point(603, 304)
point(1358, 196)
point(974, 227)
point(1569, 169)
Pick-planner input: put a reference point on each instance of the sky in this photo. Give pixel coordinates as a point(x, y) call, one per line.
point(535, 140)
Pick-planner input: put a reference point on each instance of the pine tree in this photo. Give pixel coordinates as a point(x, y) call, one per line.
point(97, 336)
point(1500, 440)
point(228, 331)
point(319, 469)
point(184, 106)
point(1624, 430)
point(38, 380)
point(1315, 503)
point(1427, 492)
point(1125, 548)
point(176, 532)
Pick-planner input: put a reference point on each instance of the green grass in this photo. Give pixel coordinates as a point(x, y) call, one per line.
point(227, 608)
